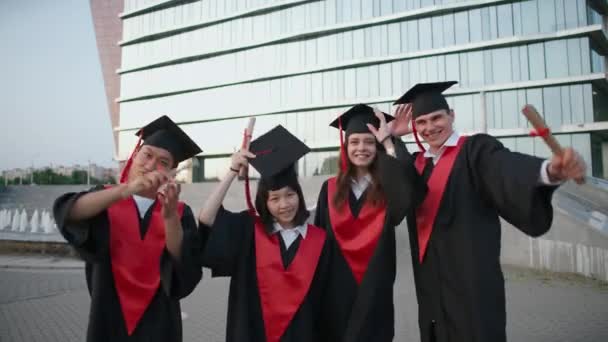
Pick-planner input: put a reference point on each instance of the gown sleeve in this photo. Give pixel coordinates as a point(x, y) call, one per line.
point(88, 237)
point(180, 277)
point(510, 182)
point(403, 186)
point(321, 209)
point(224, 241)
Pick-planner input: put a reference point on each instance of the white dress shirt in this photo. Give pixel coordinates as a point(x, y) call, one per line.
point(290, 235)
point(360, 185)
point(143, 204)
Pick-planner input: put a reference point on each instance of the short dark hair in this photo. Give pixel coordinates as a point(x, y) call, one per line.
point(261, 198)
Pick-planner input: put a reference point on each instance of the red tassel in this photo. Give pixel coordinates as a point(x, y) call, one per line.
point(422, 149)
point(250, 206)
point(343, 164)
point(125, 171)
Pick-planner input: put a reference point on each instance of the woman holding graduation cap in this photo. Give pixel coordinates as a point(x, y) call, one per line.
point(140, 246)
point(359, 209)
point(278, 263)
point(455, 233)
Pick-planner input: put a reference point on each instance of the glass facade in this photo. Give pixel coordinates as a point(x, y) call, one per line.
point(211, 63)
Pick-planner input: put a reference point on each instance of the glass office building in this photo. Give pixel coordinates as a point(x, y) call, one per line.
point(209, 64)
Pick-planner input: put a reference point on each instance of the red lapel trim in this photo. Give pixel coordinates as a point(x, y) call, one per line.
point(427, 211)
point(357, 237)
point(282, 291)
point(135, 262)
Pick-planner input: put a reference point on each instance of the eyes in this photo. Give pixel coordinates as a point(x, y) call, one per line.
point(434, 118)
point(162, 161)
point(275, 198)
point(357, 141)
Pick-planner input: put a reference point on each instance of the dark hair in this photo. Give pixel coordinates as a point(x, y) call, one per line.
point(261, 198)
point(375, 193)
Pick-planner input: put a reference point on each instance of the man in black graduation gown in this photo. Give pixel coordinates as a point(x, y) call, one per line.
point(139, 243)
point(455, 233)
point(278, 273)
point(363, 266)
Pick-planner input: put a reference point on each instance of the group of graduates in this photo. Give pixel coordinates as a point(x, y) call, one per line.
point(332, 279)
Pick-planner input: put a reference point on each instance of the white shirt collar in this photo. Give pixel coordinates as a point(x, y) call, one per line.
point(365, 180)
point(358, 186)
point(300, 230)
point(143, 204)
point(451, 141)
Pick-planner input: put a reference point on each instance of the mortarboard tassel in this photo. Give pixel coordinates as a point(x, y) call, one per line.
point(415, 132)
point(343, 164)
point(125, 171)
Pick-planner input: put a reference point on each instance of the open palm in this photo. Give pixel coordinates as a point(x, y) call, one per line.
point(401, 125)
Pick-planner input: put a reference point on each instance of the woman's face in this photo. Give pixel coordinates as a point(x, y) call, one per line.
point(361, 149)
point(283, 205)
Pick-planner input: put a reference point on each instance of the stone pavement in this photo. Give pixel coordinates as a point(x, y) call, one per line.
point(49, 305)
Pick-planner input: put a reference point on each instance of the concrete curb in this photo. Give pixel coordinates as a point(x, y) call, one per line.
point(43, 267)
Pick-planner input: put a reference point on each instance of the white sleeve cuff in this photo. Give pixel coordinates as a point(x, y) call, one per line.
point(544, 175)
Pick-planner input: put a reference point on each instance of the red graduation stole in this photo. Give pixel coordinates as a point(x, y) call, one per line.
point(427, 211)
point(282, 291)
point(136, 262)
point(359, 236)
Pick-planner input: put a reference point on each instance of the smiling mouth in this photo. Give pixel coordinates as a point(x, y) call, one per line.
point(433, 135)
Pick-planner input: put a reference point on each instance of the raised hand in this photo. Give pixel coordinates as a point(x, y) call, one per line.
point(148, 182)
point(169, 198)
point(240, 159)
point(403, 117)
point(383, 132)
point(568, 165)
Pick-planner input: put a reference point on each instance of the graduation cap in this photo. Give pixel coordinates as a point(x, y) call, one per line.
point(276, 152)
point(164, 133)
point(426, 97)
point(355, 120)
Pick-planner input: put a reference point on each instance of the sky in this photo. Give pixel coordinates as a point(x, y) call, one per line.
point(52, 98)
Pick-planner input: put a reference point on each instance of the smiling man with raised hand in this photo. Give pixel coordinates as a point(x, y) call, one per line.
point(455, 232)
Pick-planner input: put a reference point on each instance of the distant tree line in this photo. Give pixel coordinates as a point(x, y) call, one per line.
point(49, 177)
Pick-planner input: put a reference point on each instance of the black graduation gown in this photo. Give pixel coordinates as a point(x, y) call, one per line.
point(460, 285)
point(229, 251)
point(162, 319)
point(365, 312)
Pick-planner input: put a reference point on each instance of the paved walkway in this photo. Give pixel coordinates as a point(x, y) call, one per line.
point(45, 299)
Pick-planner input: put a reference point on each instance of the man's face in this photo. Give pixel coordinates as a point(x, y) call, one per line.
point(150, 158)
point(435, 127)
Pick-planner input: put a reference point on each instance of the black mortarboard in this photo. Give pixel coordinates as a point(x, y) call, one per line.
point(426, 97)
point(165, 134)
point(355, 119)
point(276, 152)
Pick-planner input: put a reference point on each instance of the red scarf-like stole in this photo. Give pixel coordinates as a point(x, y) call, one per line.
point(282, 290)
point(136, 262)
point(427, 211)
point(357, 237)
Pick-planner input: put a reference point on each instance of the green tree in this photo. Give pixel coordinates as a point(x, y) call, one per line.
point(78, 177)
